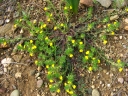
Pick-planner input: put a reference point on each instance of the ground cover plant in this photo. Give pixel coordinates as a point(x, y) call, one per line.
point(58, 48)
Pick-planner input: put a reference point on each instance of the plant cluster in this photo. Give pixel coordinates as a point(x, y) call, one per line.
point(57, 49)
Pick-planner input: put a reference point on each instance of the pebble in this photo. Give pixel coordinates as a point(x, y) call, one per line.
point(95, 92)
point(6, 61)
point(105, 3)
point(121, 3)
point(93, 86)
point(18, 75)
point(37, 75)
point(7, 20)
point(39, 68)
point(1, 72)
point(1, 22)
point(108, 85)
point(32, 72)
point(126, 20)
point(126, 28)
point(87, 2)
point(39, 83)
point(5, 70)
point(115, 17)
point(53, 94)
point(121, 80)
point(15, 93)
point(121, 37)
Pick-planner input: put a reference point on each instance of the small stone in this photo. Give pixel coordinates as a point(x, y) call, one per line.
point(6, 61)
point(108, 85)
point(15, 93)
point(21, 31)
point(115, 17)
point(39, 83)
point(37, 75)
point(95, 92)
point(126, 28)
point(1, 22)
point(87, 2)
point(101, 82)
point(5, 70)
point(18, 75)
point(121, 3)
point(39, 68)
point(7, 20)
point(53, 94)
point(121, 80)
point(105, 3)
point(32, 72)
point(120, 37)
point(93, 86)
point(126, 20)
point(1, 72)
point(107, 73)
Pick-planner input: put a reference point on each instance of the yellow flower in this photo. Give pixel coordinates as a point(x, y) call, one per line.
point(65, 84)
point(50, 80)
point(118, 61)
point(20, 20)
point(53, 65)
point(67, 90)
point(4, 43)
point(74, 86)
point(34, 21)
point(81, 50)
point(58, 90)
point(45, 8)
point(115, 23)
point(71, 55)
point(70, 7)
point(50, 85)
point(73, 41)
point(120, 69)
point(81, 43)
point(46, 38)
point(70, 92)
point(105, 42)
point(51, 44)
point(49, 72)
point(55, 28)
point(51, 15)
point(34, 47)
point(15, 26)
point(61, 24)
point(44, 26)
point(48, 20)
point(90, 68)
point(31, 54)
point(61, 78)
point(126, 9)
point(65, 8)
point(20, 45)
point(41, 31)
point(47, 66)
point(98, 61)
point(108, 25)
point(112, 33)
point(69, 82)
point(31, 41)
point(93, 58)
point(36, 61)
point(87, 52)
point(86, 57)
